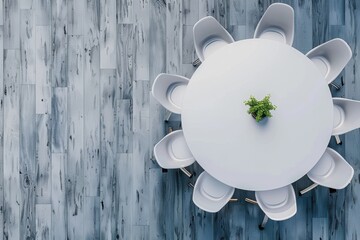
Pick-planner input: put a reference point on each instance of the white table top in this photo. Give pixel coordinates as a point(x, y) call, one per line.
point(228, 143)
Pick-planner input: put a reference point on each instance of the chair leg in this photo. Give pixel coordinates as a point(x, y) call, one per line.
point(197, 62)
point(265, 220)
point(338, 140)
point(187, 173)
point(233, 200)
point(250, 201)
point(337, 87)
point(167, 118)
point(309, 188)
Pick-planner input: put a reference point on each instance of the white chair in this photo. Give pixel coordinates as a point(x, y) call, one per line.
point(346, 116)
point(209, 36)
point(172, 152)
point(210, 194)
point(169, 90)
point(277, 24)
point(331, 58)
point(331, 171)
point(278, 204)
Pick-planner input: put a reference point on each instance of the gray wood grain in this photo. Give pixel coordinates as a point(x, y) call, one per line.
point(124, 126)
point(12, 195)
point(237, 12)
point(125, 12)
point(59, 120)
point(109, 96)
point(27, 46)
point(108, 34)
point(190, 12)
point(92, 99)
point(27, 160)
point(58, 196)
point(173, 36)
point(2, 133)
point(75, 140)
point(42, 12)
point(59, 43)
point(11, 24)
point(141, 20)
point(91, 218)
point(125, 55)
point(26, 4)
point(43, 221)
point(1, 12)
point(75, 16)
point(43, 158)
point(123, 196)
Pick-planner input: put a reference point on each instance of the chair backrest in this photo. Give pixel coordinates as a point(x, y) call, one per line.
point(210, 194)
point(277, 24)
point(278, 204)
point(209, 36)
point(346, 115)
point(173, 152)
point(331, 171)
point(169, 90)
point(331, 58)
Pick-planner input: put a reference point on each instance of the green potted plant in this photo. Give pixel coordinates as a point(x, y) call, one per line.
point(260, 109)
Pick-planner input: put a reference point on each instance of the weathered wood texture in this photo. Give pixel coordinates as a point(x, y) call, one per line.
point(78, 123)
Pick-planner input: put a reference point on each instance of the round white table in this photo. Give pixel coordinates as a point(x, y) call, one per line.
point(228, 143)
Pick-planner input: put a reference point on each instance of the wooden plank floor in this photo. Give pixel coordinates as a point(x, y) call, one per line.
point(78, 122)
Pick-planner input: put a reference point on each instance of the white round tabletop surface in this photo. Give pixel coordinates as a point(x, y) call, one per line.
point(228, 143)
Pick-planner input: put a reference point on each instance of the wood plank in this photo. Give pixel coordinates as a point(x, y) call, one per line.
point(141, 18)
point(43, 12)
point(43, 158)
point(320, 228)
point(320, 16)
point(141, 232)
point(303, 37)
point(43, 55)
point(1, 12)
point(58, 199)
point(2, 133)
point(124, 11)
point(75, 16)
point(59, 43)
point(75, 141)
point(237, 12)
point(188, 48)
point(43, 221)
point(26, 4)
point(336, 12)
point(108, 151)
point(141, 156)
point(190, 12)
point(27, 46)
point(123, 198)
point(11, 24)
point(124, 126)
point(206, 8)
point(43, 69)
point(125, 55)
point(108, 34)
point(92, 99)
point(59, 120)
point(12, 196)
point(91, 218)
point(173, 36)
point(27, 161)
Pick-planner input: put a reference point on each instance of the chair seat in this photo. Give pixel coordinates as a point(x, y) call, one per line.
point(213, 46)
point(339, 116)
point(322, 64)
point(210, 194)
point(275, 199)
point(324, 167)
point(275, 34)
point(179, 149)
point(176, 94)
